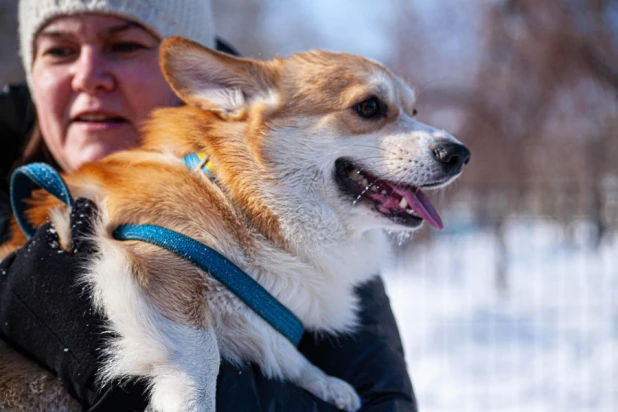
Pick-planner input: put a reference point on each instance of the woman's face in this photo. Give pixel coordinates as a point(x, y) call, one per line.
point(95, 78)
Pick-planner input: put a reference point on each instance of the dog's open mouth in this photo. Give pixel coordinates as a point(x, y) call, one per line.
point(405, 205)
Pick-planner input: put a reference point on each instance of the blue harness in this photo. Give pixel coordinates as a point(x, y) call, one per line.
point(202, 256)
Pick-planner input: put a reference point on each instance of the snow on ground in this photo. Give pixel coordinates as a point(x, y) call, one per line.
point(546, 342)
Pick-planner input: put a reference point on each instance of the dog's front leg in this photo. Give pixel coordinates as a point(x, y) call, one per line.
point(180, 361)
point(187, 381)
point(280, 357)
point(328, 388)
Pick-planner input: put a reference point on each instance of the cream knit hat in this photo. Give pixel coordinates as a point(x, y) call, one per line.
point(187, 18)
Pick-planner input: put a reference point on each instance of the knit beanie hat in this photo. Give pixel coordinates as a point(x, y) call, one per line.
point(187, 18)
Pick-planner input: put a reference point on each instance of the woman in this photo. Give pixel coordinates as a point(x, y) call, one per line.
point(92, 69)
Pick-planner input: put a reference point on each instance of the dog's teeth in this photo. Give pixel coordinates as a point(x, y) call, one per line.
point(365, 182)
point(403, 203)
point(410, 212)
point(383, 192)
point(356, 175)
point(374, 189)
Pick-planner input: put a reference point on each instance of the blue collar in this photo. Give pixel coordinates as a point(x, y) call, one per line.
point(199, 161)
point(202, 256)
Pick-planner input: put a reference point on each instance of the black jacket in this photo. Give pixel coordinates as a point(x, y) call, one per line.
point(371, 360)
point(17, 116)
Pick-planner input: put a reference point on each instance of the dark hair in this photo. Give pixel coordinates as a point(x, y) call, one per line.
point(35, 150)
point(21, 138)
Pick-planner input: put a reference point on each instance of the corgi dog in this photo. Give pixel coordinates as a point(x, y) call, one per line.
point(314, 155)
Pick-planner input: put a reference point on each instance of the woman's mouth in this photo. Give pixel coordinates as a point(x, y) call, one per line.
point(98, 121)
point(98, 118)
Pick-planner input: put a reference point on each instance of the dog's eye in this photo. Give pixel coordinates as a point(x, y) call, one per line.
point(370, 108)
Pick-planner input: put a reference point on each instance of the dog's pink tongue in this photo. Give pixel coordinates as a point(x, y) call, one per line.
point(420, 203)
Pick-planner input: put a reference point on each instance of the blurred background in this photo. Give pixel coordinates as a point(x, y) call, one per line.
point(513, 306)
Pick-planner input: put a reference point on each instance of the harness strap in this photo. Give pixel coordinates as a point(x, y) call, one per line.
point(202, 256)
point(222, 269)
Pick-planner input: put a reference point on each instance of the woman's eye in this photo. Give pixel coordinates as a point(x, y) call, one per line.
point(59, 52)
point(370, 108)
point(126, 47)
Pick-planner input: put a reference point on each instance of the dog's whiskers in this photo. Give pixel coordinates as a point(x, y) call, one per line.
point(377, 148)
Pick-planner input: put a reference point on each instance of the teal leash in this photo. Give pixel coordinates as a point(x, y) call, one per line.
point(43, 175)
point(222, 269)
point(218, 266)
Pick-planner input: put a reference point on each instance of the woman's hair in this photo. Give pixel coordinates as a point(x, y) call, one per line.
point(36, 150)
point(188, 18)
point(33, 149)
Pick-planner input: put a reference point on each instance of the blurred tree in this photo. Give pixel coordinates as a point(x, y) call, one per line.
point(547, 92)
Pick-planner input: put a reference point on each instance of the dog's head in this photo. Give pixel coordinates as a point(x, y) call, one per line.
point(332, 135)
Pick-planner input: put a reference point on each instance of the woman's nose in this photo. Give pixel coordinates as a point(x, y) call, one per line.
point(92, 73)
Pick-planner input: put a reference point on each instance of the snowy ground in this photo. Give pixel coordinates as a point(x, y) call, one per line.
point(547, 342)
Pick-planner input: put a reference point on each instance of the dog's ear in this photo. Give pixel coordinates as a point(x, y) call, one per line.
point(210, 79)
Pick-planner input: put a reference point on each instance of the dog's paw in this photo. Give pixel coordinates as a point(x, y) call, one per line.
point(337, 392)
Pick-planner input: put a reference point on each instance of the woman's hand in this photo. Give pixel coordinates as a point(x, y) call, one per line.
point(45, 312)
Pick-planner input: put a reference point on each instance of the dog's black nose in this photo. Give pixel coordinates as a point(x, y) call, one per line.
point(452, 156)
